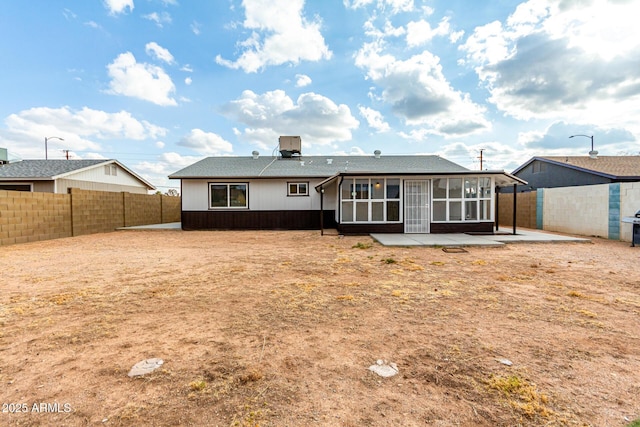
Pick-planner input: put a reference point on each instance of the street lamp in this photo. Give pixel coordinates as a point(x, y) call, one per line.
point(592, 153)
point(47, 138)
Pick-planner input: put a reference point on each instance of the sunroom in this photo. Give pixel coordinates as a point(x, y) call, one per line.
point(456, 203)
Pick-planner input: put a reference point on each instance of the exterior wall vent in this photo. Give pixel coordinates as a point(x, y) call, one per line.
point(255, 154)
point(377, 154)
point(290, 145)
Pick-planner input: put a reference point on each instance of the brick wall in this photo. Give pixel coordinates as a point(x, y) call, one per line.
point(525, 210)
point(28, 217)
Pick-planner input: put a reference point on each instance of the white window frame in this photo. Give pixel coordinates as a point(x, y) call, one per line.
point(228, 185)
point(352, 183)
point(298, 193)
point(466, 196)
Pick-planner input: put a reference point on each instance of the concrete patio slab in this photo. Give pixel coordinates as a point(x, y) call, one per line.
point(461, 239)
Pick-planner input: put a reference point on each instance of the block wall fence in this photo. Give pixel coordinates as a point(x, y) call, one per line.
point(589, 210)
point(29, 217)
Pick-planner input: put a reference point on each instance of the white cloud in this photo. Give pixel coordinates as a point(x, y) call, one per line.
point(205, 142)
point(302, 80)
point(160, 19)
point(188, 81)
point(314, 117)
point(419, 93)
point(395, 6)
point(420, 32)
point(195, 28)
point(139, 80)
point(158, 52)
point(79, 128)
point(570, 60)
point(118, 6)
point(280, 35)
point(187, 68)
point(374, 119)
point(160, 144)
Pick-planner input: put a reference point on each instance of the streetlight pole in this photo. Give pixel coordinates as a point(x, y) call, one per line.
point(586, 136)
point(46, 139)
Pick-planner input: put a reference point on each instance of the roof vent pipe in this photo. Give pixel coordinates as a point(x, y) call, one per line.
point(255, 154)
point(377, 154)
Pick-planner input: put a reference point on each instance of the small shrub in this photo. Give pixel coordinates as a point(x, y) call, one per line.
point(389, 261)
point(361, 245)
point(198, 385)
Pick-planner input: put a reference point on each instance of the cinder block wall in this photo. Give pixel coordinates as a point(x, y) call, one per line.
point(171, 209)
point(525, 210)
point(29, 217)
point(577, 210)
point(141, 209)
point(96, 211)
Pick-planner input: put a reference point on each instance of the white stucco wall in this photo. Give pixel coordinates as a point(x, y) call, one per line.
point(264, 195)
point(629, 205)
point(577, 210)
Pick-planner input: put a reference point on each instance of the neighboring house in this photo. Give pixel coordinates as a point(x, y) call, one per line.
point(355, 194)
point(57, 176)
point(568, 171)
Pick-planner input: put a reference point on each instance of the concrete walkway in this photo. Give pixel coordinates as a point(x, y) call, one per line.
point(461, 239)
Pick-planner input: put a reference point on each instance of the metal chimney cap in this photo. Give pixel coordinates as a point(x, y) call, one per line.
point(377, 154)
point(593, 154)
point(255, 154)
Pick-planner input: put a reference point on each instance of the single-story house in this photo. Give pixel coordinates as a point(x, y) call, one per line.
point(355, 194)
point(57, 176)
point(569, 171)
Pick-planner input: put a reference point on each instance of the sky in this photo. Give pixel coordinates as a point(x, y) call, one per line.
point(161, 84)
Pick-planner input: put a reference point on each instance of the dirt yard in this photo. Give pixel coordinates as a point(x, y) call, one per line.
point(280, 329)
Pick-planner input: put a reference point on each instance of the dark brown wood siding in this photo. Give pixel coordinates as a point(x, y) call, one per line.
point(256, 220)
point(461, 227)
point(358, 229)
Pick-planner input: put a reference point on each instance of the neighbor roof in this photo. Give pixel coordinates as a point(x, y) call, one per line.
point(614, 167)
point(313, 166)
point(41, 170)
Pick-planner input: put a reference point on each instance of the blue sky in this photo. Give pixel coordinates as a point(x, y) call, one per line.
point(160, 84)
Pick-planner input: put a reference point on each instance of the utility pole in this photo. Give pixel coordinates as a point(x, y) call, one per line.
point(481, 150)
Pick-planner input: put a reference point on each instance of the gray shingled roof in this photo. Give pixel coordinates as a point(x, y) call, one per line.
point(314, 166)
point(612, 166)
point(44, 169)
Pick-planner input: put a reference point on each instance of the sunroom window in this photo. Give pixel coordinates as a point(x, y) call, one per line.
point(370, 200)
point(461, 199)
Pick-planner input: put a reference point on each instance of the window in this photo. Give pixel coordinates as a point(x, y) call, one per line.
point(370, 200)
point(110, 170)
point(297, 189)
point(107, 170)
point(222, 195)
point(461, 199)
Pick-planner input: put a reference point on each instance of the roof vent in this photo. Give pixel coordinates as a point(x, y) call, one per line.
point(255, 154)
point(593, 154)
point(377, 154)
point(290, 145)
